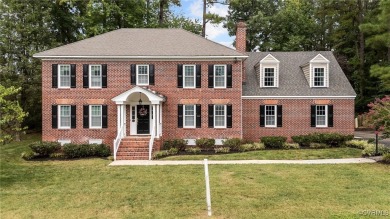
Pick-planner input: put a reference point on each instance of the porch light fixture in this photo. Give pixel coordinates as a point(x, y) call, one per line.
point(140, 100)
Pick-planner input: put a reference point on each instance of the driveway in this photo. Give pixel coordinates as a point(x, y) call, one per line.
point(371, 134)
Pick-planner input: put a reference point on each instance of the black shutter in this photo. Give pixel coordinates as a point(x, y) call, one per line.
point(85, 76)
point(280, 117)
point(229, 79)
point(180, 115)
point(330, 115)
point(133, 74)
point(198, 116)
point(211, 76)
point(229, 119)
point(73, 76)
point(313, 116)
point(54, 118)
point(104, 76)
point(262, 115)
point(104, 116)
point(54, 76)
point(211, 116)
point(86, 116)
point(151, 74)
point(180, 76)
point(73, 116)
point(198, 76)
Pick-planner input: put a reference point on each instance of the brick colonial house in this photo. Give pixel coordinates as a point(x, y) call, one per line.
point(132, 88)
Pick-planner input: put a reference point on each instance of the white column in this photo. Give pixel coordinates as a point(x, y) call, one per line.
point(158, 121)
point(161, 117)
point(154, 119)
point(124, 119)
point(118, 116)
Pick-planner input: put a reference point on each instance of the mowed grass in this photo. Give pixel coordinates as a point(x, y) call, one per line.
point(299, 154)
point(90, 188)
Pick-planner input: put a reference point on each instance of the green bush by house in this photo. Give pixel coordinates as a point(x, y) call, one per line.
point(273, 141)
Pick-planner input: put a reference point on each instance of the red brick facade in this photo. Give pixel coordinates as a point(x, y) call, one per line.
point(296, 117)
point(118, 81)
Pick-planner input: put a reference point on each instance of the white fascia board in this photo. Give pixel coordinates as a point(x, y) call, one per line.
point(296, 97)
point(139, 57)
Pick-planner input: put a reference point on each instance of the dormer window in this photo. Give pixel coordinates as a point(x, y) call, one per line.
point(269, 72)
point(319, 72)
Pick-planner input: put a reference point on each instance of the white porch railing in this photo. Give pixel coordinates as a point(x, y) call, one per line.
point(151, 141)
point(118, 139)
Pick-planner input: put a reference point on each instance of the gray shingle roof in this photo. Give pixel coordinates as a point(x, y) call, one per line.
point(292, 81)
point(143, 42)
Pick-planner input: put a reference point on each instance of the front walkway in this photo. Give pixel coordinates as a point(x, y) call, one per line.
point(200, 162)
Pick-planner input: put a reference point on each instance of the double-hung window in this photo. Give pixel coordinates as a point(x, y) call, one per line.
point(189, 76)
point(64, 76)
point(269, 77)
point(65, 116)
point(321, 116)
point(142, 74)
point(219, 76)
point(270, 116)
point(95, 116)
point(219, 116)
point(319, 77)
point(95, 74)
point(189, 116)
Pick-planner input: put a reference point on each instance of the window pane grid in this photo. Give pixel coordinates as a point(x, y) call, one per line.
point(96, 76)
point(189, 115)
point(189, 76)
point(320, 115)
point(219, 76)
point(219, 116)
point(270, 115)
point(96, 116)
point(64, 76)
point(65, 116)
point(269, 76)
point(143, 77)
point(319, 75)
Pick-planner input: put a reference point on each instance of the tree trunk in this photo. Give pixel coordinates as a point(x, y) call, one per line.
point(204, 19)
point(361, 46)
point(161, 12)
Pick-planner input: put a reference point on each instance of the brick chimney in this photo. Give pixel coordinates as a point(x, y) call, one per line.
point(241, 36)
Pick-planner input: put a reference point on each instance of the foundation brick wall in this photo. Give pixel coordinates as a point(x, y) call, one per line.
point(118, 81)
point(296, 117)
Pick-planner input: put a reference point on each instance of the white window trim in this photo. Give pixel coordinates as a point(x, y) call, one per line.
point(225, 76)
point(225, 115)
point(325, 75)
point(64, 141)
point(326, 117)
point(184, 116)
point(319, 61)
point(59, 117)
point(184, 77)
point(275, 77)
point(59, 76)
point(90, 117)
point(90, 77)
point(95, 141)
point(147, 71)
point(275, 116)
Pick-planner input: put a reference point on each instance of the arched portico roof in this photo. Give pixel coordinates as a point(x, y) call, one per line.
point(153, 96)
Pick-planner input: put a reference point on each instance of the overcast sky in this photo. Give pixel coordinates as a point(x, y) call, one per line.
point(193, 9)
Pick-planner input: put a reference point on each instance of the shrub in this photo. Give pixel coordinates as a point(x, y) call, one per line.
point(180, 144)
point(273, 141)
point(57, 155)
point(371, 140)
point(100, 150)
point(86, 150)
point(160, 154)
point(371, 149)
point(193, 150)
point(205, 143)
point(173, 151)
point(302, 140)
point(386, 158)
point(233, 143)
point(290, 146)
point(258, 146)
point(222, 150)
point(332, 139)
point(28, 155)
point(245, 147)
point(360, 144)
point(45, 148)
point(318, 145)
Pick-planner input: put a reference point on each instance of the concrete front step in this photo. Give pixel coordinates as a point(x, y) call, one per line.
point(131, 149)
point(132, 158)
point(132, 154)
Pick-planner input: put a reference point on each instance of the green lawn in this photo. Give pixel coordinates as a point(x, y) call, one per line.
point(300, 154)
point(91, 189)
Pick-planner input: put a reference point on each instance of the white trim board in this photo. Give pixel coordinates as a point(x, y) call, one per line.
point(296, 97)
point(141, 57)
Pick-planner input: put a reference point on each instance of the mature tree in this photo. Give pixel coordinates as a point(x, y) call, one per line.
point(12, 115)
point(379, 114)
point(208, 17)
